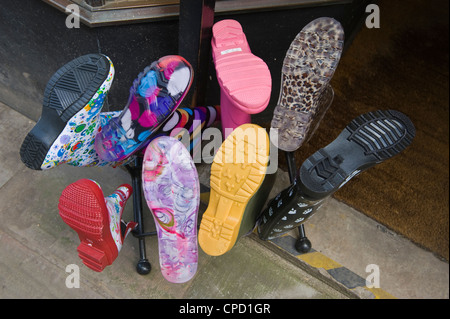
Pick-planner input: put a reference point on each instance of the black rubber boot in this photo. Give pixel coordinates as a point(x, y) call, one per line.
point(368, 140)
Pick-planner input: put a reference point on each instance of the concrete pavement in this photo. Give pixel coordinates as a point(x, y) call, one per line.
point(36, 246)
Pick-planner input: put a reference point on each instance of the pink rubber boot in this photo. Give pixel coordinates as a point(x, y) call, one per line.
point(244, 78)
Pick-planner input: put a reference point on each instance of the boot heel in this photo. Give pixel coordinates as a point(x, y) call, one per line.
point(33, 151)
point(92, 257)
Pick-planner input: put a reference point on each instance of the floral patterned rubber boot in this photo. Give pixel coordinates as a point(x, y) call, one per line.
point(73, 99)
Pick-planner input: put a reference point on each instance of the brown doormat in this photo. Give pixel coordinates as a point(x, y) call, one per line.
point(403, 65)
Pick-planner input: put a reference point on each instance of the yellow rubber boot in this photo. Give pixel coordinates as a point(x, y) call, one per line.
point(237, 173)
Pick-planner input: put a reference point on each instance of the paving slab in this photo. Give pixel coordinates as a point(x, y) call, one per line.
point(353, 246)
point(36, 247)
point(38, 250)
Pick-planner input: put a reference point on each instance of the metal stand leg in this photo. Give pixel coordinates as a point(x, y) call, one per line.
point(303, 244)
point(194, 43)
point(290, 159)
point(143, 266)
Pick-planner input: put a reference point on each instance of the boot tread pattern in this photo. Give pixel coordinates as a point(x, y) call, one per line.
point(368, 140)
point(32, 148)
point(81, 213)
point(86, 213)
point(380, 134)
point(72, 86)
point(172, 191)
point(68, 91)
point(92, 257)
point(237, 173)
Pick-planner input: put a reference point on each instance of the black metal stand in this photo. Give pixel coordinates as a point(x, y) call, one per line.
point(143, 266)
point(194, 44)
point(303, 244)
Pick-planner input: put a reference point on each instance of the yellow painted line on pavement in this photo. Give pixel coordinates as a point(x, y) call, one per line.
point(317, 260)
point(380, 293)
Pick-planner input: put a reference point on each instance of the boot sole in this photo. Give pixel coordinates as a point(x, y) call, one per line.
point(237, 173)
point(82, 207)
point(172, 191)
point(112, 143)
point(368, 140)
point(244, 79)
point(308, 67)
point(68, 92)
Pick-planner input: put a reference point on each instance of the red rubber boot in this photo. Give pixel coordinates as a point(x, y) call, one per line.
point(97, 220)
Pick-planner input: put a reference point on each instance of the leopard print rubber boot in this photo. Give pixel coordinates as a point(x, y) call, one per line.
point(308, 67)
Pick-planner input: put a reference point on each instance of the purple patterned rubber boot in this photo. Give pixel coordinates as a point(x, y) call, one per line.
point(172, 191)
point(154, 96)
